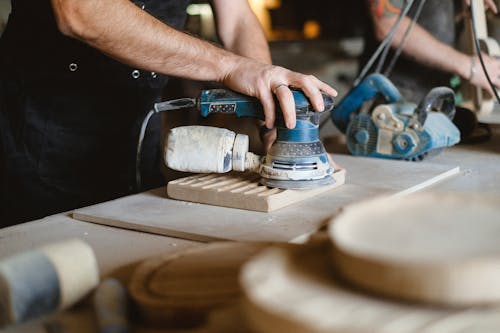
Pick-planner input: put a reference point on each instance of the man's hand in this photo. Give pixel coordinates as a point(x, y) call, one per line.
point(488, 4)
point(478, 78)
point(261, 80)
point(252, 74)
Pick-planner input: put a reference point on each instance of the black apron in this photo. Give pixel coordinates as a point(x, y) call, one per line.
point(413, 79)
point(70, 116)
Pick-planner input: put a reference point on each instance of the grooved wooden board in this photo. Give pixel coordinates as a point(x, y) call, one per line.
point(241, 191)
point(294, 290)
point(366, 178)
point(434, 248)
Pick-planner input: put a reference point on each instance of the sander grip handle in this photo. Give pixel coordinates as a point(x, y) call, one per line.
point(231, 102)
point(371, 86)
point(228, 101)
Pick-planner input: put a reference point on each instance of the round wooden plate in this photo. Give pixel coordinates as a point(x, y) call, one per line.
point(178, 290)
point(294, 290)
point(428, 247)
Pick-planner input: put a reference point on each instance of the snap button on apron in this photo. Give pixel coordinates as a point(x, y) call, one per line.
point(136, 74)
point(140, 4)
point(153, 75)
point(73, 67)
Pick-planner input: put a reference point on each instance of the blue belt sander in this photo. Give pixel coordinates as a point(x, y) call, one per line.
point(392, 127)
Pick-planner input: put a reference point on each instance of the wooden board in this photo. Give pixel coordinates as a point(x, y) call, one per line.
point(293, 290)
point(242, 191)
point(181, 289)
point(491, 118)
point(426, 247)
point(153, 212)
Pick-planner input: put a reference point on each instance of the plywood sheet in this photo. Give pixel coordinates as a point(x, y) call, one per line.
point(242, 191)
point(153, 212)
point(435, 248)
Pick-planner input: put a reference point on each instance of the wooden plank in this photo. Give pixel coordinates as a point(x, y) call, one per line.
point(242, 191)
point(153, 212)
point(490, 118)
point(399, 177)
point(427, 247)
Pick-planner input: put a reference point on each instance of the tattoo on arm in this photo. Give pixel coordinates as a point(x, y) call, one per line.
point(386, 8)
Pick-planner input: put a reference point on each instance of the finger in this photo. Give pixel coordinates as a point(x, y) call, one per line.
point(493, 68)
point(492, 5)
point(314, 95)
point(322, 87)
point(326, 88)
point(267, 101)
point(496, 80)
point(489, 90)
point(287, 104)
point(313, 88)
point(268, 140)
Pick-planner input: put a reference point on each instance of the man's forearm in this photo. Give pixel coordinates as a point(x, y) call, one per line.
point(239, 29)
point(132, 36)
point(425, 48)
point(251, 42)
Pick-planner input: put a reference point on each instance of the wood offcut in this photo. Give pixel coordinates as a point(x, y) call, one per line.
point(431, 248)
point(242, 191)
point(180, 289)
point(295, 290)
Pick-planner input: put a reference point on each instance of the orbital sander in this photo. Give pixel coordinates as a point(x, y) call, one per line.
point(296, 160)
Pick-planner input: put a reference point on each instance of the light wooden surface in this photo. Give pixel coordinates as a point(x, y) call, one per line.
point(113, 247)
point(366, 177)
point(242, 191)
point(117, 247)
point(294, 290)
point(436, 248)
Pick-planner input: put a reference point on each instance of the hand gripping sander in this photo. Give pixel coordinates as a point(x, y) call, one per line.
point(296, 160)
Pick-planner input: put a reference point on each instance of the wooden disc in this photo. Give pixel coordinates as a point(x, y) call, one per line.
point(293, 290)
point(179, 289)
point(436, 248)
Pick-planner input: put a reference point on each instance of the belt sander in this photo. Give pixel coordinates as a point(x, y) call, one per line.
point(296, 160)
point(390, 127)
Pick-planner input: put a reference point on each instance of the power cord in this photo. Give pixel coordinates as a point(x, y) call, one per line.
point(399, 50)
point(384, 45)
point(384, 55)
point(142, 133)
point(175, 104)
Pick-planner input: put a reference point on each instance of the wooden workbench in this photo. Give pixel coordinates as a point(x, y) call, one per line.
point(118, 248)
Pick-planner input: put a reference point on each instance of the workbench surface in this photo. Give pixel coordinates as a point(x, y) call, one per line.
point(118, 248)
